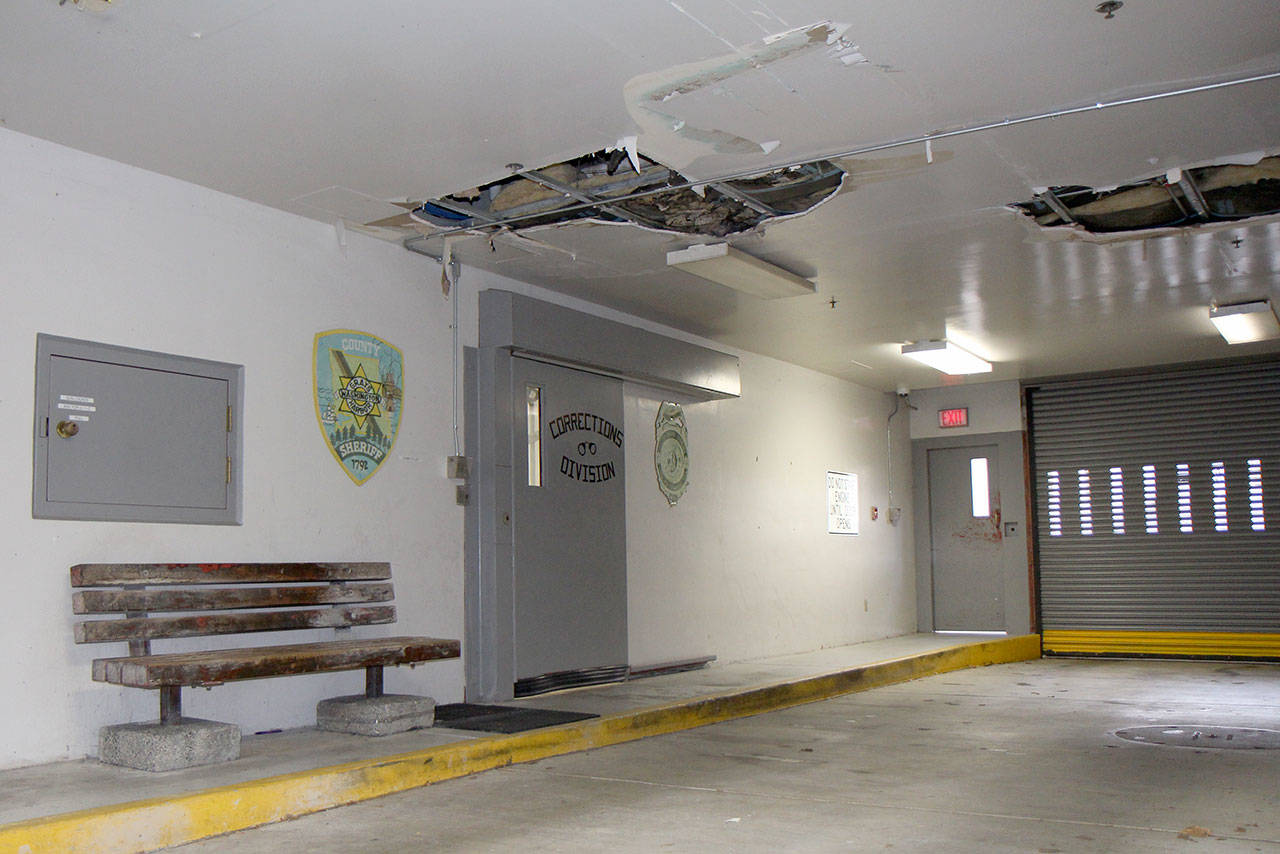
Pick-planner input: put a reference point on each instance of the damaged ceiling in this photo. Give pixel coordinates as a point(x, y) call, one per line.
point(646, 194)
point(1055, 189)
point(1180, 198)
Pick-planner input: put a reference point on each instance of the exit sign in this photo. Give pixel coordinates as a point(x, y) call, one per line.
point(953, 417)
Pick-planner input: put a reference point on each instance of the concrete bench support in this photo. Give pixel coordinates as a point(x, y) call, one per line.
point(383, 715)
point(168, 747)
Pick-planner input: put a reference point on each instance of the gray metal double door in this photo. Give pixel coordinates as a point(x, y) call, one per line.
point(569, 525)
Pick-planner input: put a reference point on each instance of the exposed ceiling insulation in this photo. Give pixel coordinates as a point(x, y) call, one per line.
point(1224, 193)
point(641, 192)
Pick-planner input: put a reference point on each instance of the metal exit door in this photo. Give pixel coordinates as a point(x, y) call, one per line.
point(966, 539)
point(569, 529)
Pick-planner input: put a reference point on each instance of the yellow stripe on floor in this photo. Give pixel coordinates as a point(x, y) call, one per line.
point(161, 822)
point(1209, 644)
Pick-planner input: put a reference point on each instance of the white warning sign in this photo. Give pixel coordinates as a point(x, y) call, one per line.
point(842, 503)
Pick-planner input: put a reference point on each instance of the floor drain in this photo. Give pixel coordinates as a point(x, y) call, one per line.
point(1215, 737)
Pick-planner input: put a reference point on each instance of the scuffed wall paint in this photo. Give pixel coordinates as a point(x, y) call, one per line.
point(94, 249)
point(743, 566)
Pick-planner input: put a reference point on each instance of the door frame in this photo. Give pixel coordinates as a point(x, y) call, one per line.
point(964, 452)
point(1015, 564)
point(511, 325)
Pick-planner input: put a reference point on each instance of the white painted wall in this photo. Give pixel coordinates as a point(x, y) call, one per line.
point(993, 408)
point(94, 249)
point(742, 566)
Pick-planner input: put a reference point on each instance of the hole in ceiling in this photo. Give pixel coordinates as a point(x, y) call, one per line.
point(608, 185)
point(1178, 198)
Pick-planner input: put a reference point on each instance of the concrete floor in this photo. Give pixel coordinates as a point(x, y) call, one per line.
point(49, 789)
point(1016, 757)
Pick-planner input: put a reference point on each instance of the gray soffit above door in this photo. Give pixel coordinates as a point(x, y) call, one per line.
point(546, 332)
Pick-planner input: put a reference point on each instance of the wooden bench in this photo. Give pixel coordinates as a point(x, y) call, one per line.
point(213, 599)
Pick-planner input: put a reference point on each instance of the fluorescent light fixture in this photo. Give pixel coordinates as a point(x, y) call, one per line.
point(946, 357)
point(724, 265)
point(1245, 321)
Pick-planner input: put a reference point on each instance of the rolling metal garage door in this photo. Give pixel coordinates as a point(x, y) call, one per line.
point(1158, 512)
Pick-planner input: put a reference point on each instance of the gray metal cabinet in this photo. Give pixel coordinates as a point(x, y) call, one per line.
point(132, 435)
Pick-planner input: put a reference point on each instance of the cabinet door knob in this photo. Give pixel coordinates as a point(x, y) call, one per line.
point(67, 429)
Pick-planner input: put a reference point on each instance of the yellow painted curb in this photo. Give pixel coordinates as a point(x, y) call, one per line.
point(1241, 644)
point(157, 823)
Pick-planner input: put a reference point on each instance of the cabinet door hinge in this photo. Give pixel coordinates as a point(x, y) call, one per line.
point(228, 469)
point(228, 418)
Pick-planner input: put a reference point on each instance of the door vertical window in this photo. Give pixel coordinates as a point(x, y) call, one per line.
point(1086, 503)
point(1257, 516)
point(1149, 506)
point(1117, 500)
point(1053, 488)
point(1185, 524)
point(1220, 497)
point(533, 411)
point(980, 487)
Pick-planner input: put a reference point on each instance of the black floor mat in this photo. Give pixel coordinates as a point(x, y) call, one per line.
point(475, 716)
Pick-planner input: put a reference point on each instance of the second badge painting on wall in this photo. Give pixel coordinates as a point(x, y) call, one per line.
point(359, 383)
point(671, 451)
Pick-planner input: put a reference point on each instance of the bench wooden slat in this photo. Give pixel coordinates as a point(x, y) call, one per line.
point(108, 574)
point(223, 665)
point(149, 628)
point(161, 600)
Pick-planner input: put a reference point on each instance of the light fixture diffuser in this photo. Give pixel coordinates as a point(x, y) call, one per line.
point(1245, 321)
point(946, 357)
point(724, 265)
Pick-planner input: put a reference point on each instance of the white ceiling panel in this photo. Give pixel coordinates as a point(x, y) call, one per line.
point(340, 111)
